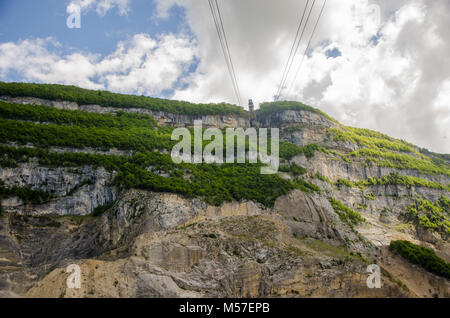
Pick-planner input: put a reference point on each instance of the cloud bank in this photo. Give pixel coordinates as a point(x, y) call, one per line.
point(141, 65)
point(392, 72)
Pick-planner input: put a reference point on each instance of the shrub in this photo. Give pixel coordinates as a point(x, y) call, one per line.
point(432, 216)
point(421, 256)
point(346, 214)
point(107, 99)
point(294, 169)
point(98, 211)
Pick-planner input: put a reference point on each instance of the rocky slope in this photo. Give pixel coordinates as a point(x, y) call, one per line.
point(140, 243)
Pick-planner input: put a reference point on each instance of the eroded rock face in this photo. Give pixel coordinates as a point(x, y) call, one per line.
point(337, 169)
point(256, 259)
point(76, 191)
point(162, 118)
point(163, 245)
point(299, 127)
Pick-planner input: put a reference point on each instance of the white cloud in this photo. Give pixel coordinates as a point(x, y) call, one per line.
point(140, 65)
point(393, 84)
point(101, 6)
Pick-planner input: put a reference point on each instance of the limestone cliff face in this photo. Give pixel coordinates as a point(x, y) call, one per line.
point(299, 127)
point(207, 251)
point(162, 118)
point(76, 191)
point(163, 245)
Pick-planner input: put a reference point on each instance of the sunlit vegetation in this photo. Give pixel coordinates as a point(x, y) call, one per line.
point(138, 138)
point(370, 139)
point(306, 186)
point(321, 177)
point(47, 114)
point(108, 99)
point(433, 216)
point(400, 161)
point(384, 151)
point(423, 256)
point(437, 157)
point(77, 129)
point(293, 169)
point(147, 168)
point(393, 179)
point(289, 150)
point(346, 214)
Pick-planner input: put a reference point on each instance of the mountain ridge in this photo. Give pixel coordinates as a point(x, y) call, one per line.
point(87, 183)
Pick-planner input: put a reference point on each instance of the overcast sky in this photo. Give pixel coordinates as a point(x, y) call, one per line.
point(383, 65)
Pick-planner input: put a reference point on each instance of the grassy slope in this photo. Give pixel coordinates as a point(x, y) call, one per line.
point(45, 127)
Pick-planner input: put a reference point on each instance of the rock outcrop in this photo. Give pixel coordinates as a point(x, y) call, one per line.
point(150, 244)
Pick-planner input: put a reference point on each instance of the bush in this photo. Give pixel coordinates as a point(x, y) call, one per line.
point(432, 216)
point(294, 169)
point(26, 194)
point(394, 179)
point(346, 214)
point(422, 256)
point(107, 99)
point(98, 211)
point(47, 114)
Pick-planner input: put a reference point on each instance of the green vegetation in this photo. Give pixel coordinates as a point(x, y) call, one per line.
point(289, 150)
point(47, 114)
point(306, 186)
point(346, 214)
point(445, 203)
point(98, 211)
point(107, 99)
point(393, 179)
point(401, 161)
point(324, 248)
point(422, 256)
point(44, 127)
point(432, 216)
point(344, 182)
point(25, 193)
point(215, 183)
point(319, 176)
point(77, 129)
point(44, 136)
point(440, 158)
point(384, 151)
point(12, 156)
point(370, 139)
point(293, 169)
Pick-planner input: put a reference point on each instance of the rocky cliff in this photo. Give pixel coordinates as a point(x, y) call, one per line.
point(138, 241)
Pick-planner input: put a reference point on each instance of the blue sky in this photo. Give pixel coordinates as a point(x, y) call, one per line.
point(99, 34)
point(368, 58)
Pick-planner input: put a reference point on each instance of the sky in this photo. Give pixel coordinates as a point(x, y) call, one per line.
point(377, 64)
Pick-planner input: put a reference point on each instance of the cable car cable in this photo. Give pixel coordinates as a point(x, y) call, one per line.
point(292, 49)
point(298, 46)
point(215, 11)
point(307, 48)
